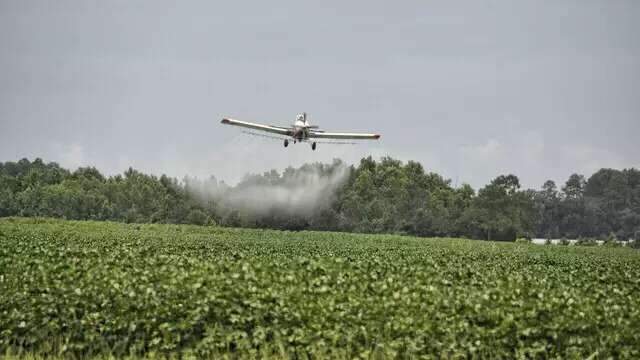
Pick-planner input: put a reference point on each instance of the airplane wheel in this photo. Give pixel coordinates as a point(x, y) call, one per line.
point(286, 143)
point(313, 146)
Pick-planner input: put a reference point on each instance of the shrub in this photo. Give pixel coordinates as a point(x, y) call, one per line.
point(586, 242)
point(197, 217)
point(211, 221)
point(612, 243)
point(612, 240)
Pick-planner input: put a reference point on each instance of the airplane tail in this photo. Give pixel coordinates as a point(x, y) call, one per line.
point(307, 124)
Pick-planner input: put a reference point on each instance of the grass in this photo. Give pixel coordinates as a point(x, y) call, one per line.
point(97, 289)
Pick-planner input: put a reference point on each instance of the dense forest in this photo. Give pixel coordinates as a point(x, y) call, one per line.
point(386, 196)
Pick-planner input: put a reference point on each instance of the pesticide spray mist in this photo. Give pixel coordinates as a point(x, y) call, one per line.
point(301, 193)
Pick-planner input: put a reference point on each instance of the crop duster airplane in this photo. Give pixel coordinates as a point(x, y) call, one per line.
point(301, 131)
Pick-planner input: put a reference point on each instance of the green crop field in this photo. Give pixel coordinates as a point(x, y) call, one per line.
point(83, 289)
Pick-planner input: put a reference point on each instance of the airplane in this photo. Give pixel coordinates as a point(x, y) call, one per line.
point(300, 131)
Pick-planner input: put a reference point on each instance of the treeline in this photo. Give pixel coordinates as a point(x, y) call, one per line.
point(386, 196)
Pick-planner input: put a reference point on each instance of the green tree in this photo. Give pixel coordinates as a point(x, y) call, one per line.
point(501, 210)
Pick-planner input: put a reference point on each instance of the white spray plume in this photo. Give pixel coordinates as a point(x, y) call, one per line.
point(302, 192)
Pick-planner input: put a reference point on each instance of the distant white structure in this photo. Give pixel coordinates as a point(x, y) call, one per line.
point(541, 241)
point(553, 241)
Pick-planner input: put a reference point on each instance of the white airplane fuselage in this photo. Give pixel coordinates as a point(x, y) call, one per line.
point(301, 128)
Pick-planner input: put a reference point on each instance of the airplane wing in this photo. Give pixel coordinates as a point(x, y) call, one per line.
point(268, 128)
point(333, 135)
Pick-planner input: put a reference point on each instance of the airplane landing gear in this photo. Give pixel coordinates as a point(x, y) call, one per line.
point(313, 146)
point(286, 143)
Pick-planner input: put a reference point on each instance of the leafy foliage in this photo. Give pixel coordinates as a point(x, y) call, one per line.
point(586, 242)
point(386, 196)
point(80, 289)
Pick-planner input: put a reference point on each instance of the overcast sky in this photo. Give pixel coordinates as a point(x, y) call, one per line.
point(471, 89)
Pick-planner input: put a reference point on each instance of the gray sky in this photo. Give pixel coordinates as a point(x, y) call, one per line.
point(471, 89)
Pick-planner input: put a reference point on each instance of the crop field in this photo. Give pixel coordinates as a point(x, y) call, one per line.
point(91, 289)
